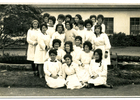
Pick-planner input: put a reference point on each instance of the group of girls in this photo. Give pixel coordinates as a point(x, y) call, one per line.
point(71, 53)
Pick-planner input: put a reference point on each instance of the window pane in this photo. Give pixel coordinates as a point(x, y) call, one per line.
point(109, 25)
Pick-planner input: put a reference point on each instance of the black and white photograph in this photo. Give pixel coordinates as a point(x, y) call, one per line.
point(69, 50)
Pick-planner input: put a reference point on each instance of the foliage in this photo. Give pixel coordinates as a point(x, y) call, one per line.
point(121, 39)
point(16, 20)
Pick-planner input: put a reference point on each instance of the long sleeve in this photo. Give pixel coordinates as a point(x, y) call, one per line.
point(46, 56)
point(46, 69)
point(29, 38)
point(63, 71)
point(91, 70)
point(107, 42)
point(60, 73)
point(41, 42)
point(103, 28)
point(104, 70)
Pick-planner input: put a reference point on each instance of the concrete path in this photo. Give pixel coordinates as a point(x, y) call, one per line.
point(128, 90)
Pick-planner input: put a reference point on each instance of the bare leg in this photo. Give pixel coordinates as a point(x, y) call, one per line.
point(40, 69)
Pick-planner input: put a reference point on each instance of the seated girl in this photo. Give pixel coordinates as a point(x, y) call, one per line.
point(84, 58)
point(60, 52)
point(98, 70)
point(69, 72)
point(53, 71)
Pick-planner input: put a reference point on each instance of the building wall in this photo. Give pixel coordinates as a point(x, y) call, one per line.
point(121, 18)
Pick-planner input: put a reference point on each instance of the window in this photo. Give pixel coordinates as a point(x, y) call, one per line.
point(134, 26)
point(109, 25)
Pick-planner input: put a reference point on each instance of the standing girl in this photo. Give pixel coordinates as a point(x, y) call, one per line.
point(76, 19)
point(59, 34)
point(102, 42)
point(32, 42)
point(41, 49)
point(100, 20)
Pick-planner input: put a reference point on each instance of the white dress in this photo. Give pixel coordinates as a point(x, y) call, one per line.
point(72, 81)
point(90, 35)
point(60, 54)
point(53, 68)
point(70, 35)
point(43, 41)
point(94, 70)
point(32, 40)
point(82, 33)
point(83, 72)
point(76, 51)
point(50, 31)
point(61, 37)
point(93, 27)
point(102, 42)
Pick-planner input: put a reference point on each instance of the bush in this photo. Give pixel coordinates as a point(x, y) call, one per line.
point(121, 39)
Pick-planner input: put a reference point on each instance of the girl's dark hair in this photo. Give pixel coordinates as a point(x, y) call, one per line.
point(52, 18)
point(88, 21)
point(80, 18)
point(99, 27)
point(78, 37)
point(46, 15)
point(43, 24)
point(91, 16)
point(68, 55)
point(56, 41)
point(69, 16)
point(61, 16)
point(99, 51)
point(59, 25)
point(53, 51)
point(33, 23)
point(100, 16)
point(71, 26)
point(81, 22)
point(70, 44)
point(89, 44)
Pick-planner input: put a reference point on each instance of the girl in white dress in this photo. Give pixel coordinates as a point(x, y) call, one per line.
point(89, 33)
point(69, 32)
point(76, 19)
point(100, 20)
point(32, 42)
point(53, 71)
point(68, 48)
point(59, 34)
point(51, 29)
point(98, 70)
point(60, 52)
point(69, 73)
point(84, 58)
point(45, 18)
point(93, 18)
point(41, 49)
point(82, 31)
point(102, 41)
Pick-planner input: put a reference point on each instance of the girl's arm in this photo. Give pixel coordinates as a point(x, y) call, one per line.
point(41, 42)
point(46, 69)
point(103, 73)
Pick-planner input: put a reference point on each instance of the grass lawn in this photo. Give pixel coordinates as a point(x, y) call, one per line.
point(24, 78)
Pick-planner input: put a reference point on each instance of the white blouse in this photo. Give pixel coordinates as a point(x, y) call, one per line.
point(50, 31)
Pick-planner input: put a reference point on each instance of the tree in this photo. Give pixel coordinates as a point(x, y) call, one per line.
point(15, 21)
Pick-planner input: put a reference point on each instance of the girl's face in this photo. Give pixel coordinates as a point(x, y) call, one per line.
point(50, 23)
point(46, 19)
point(67, 19)
point(88, 26)
point(67, 26)
point(81, 27)
point(93, 19)
point(59, 29)
point(76, 19)
point(96, 56)
point(44, 29)
point(52, 56)
point(67, 47)
point(56, 45)
point(68, 61)
point(60, 21)
point(77, 42)
point(35, 25)
point(99, 20)
point(86, 48)
point(97, 30)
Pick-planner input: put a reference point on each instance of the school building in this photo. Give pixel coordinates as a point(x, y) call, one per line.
point(118, 18)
